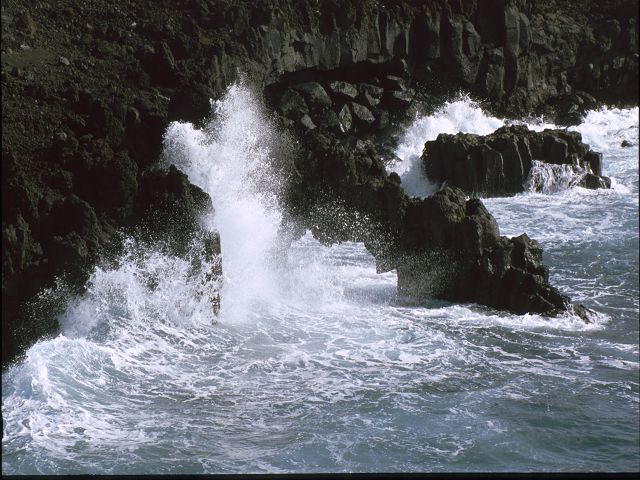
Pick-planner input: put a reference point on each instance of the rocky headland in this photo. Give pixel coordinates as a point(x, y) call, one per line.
point(88, 89)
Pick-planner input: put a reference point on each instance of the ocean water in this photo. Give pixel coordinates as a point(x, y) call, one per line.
point(313, 364)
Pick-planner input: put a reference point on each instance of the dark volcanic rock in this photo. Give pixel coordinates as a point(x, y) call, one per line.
point(362, 114)
point(343, 90)
point(453, 250)
point(315, 94)
point(292, 105)
point(500, 163)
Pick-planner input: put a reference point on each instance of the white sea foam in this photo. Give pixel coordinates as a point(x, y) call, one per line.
point(549, 178)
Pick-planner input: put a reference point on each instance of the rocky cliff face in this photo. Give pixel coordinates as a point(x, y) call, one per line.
point(89, 87)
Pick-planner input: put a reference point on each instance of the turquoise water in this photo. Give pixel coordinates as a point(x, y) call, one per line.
point(313, 364)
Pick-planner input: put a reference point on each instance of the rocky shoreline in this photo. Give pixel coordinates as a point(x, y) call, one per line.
point(88, 90)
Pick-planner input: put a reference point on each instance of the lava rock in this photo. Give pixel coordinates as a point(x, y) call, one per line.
point(500, 163)
point(362, 114)
point(191, 103)
point(343, 90)
point(346, 120)
point(315, 94)
point(370, 95)
point(292, 105)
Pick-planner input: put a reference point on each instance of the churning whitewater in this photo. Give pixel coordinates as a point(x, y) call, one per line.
point(312, 364)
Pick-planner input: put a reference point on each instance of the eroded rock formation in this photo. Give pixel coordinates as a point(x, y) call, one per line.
point(500, 163)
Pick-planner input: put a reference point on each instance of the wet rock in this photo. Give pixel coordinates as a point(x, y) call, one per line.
point(292, 105)
point(327, 119)
point(593, 182)
point(307, 123)
point(400, 99)
point(593, 160)
point(626, 143)
point(500, 163)
point(393, 82)
point(370, 95)
point(346, 120)
point(455, 253)
point(169, 208)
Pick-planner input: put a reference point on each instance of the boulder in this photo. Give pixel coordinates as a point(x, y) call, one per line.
point(343, 90)
point(500, 163)
point(400, 99)
point(362, 114)
point(346, 120)
point(314, 93)
point(307, 123)
point(370, 95)
point(292, 105)
point(453, 250)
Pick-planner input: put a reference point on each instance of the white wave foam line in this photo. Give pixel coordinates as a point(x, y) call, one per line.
point(607, 128)
point(483, 317)
point(549, 178)
point(569, 211)
point(148, 292)
point(55, 398)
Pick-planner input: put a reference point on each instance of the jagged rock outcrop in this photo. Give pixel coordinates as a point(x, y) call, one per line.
point(443, 246)
point(452, 249)
point(165, 211)
point(501, 163)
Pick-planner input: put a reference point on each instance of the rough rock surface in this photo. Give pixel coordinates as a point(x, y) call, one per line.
point(500, 163)
point(443, 246)
point(88, 89)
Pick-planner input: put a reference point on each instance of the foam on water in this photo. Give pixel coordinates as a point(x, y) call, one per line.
point(313, 364)
point(549, 178)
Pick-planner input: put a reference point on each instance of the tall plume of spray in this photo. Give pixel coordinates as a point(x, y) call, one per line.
point(232, 159)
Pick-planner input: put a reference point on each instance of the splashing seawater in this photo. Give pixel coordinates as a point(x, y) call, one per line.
point(312, 366)
point(549, 178)
point(230, 159)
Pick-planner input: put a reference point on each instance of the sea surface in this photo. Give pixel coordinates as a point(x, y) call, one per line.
point(313, 364)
